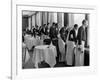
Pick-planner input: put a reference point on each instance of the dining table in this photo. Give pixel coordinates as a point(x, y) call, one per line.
point(31, 41)
point(45, 53)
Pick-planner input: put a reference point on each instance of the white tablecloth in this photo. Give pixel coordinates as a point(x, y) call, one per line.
point(61, 45)
point(79, 56)
point(44, 53)
point(31, 41)
point(69, 52)
point(25, 54)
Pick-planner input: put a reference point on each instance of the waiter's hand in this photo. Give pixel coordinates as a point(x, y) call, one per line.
point(79, 47)
point(74, 45)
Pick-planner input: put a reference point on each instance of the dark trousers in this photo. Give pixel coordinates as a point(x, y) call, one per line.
point(55, 43)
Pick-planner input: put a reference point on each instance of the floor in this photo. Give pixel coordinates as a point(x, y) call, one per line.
point(30, 65)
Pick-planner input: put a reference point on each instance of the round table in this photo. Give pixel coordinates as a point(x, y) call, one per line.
point(45, 53)
point(32, 41)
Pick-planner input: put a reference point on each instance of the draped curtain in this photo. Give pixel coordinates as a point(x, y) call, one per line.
point(44, 17)
point(50, 18)
point(60, 19)
point(54, 17)
point(66, 21)
point(38, 18)
point(29, 22)
point(78, 18)
point(33, 20)
point(70, 20)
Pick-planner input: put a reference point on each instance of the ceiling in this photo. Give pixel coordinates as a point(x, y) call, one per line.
point(28, 13)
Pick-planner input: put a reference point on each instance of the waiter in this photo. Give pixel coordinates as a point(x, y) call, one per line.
point(33, 31)
point(47, 29)
point(37, 30)
point(71, 42)
point(43, 29)
point(47, 39)
point(53, 36)
point(63, 33)
point(53, 32)
point(81, 37)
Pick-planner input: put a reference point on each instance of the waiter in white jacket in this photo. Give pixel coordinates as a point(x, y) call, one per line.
point(71, 44)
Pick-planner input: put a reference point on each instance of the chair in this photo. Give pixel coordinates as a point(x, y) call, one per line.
point(47, 41)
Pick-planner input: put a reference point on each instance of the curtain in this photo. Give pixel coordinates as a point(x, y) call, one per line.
point(70, 20)
point(60, 19)
point(29, 22)
point(44, 17)
point(78, 18)
point(50, 18)
point(54, 15)
point(38, 18)
point(33, 20)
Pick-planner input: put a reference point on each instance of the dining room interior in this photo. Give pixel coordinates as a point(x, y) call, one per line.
point(55, 39)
